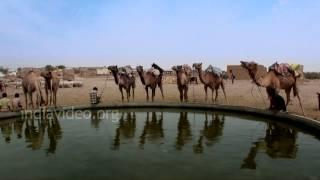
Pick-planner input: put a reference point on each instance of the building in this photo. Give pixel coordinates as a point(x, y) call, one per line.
point(242, 74)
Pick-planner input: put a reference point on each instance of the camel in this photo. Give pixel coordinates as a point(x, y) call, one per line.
point(274, 80)
point(183, 73)
point(211, 80)
point(31, 84)
point(149, 80)
point(51, 86)
point(159, 77)
point(124, 81)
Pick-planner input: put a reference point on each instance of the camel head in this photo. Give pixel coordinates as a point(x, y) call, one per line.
point(177, 68)
point(252, 69)
point(197, 66)
point(154, 65)
point(46, 74)
point(113, 68)
point(139, 69)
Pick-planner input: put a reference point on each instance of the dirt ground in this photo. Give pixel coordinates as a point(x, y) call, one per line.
point(238, 94)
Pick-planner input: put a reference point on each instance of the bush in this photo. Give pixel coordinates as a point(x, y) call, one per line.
point(312, 75)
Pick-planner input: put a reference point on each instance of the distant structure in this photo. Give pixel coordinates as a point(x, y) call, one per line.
point(242, 74)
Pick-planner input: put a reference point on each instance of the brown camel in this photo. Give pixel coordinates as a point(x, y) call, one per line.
point(211, 80)
point(148, 79)
point(159, 77)
point(30, 84)
point(183, 73)
point(124, 81)
point(274, 80)
point(51, 86)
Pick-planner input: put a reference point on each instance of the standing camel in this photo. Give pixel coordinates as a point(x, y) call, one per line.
point(274, 80)
point(149, 79)
point(124, 81)
point(159, 79)
point(30, 84)
point(211, 80)
point(51, 86)
point(183, 73)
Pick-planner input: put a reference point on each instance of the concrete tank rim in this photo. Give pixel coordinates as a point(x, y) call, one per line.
point(290, 118)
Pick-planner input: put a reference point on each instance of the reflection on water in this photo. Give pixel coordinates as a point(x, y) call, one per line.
point(211, 131)
point(183, 131)
point(152, 130)
point(35, 132)
point(279, 142)
point(194, 145)
point(125, 129)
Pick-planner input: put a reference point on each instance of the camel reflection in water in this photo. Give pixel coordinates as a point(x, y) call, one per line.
point(152, 130)
point(211, 131)
point(34, 131)
point(184, 133)
point(125, 130)
point(279, 142)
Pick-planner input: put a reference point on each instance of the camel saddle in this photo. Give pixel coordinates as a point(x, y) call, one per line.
point(214, 70)
point(126, 70)
point(283, 69)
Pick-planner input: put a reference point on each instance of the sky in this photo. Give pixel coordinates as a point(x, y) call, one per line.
point(169, 32)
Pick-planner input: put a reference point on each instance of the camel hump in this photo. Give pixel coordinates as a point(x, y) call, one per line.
point(154, 71)
point(215, 70)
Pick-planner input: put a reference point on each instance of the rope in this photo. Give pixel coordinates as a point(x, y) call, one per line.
point(193, 84)
point(105, 86)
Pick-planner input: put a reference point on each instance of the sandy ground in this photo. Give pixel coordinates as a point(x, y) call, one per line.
point(238, 94)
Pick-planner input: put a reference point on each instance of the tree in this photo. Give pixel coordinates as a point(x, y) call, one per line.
point(49, 67)
point(4, 70)
point(61, 67)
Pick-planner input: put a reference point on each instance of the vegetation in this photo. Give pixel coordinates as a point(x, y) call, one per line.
point(49, 67)
point(4, 70)
point(312, 75)
point(61, 67)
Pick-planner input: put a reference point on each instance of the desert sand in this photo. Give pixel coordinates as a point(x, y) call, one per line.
point(238, 94)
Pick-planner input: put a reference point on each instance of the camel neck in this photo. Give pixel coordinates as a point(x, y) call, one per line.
point(115, 75)
point(201, 76)
point(142, 77)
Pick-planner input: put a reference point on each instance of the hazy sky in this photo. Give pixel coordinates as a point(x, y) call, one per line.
point(104, 32)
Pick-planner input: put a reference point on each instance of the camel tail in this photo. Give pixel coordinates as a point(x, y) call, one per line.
point(224, 91)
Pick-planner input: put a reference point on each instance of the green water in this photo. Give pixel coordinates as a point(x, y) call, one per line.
point(156, 144)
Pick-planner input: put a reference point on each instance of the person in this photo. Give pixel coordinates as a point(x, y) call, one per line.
point(277, 102)
point(94, 97)
point(232, 76)
point(4, 103)
point(16, 102)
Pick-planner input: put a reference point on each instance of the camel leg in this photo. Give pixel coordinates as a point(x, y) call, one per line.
point(181, 93)
point(31, 99)
point(51, 94)
point(300, 104)
point(206, 92)
point(120, 88)
point(212, 91)
point(186, 94)
point(153, 93)
point(161, 89)
point(128, 94)
point(133, 93)
point(217, 92)
point(288, 91)
point(147, 92)
point(47, 94)
point(26, 99)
